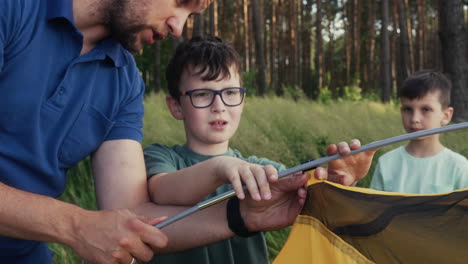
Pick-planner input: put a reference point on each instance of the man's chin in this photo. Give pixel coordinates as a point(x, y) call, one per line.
point(134, 48)
point(131, 44)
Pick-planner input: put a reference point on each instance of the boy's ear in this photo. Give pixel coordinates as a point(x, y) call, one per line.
point(175, 108)
point(448, 113)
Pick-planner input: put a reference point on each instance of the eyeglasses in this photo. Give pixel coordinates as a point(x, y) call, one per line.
point(201, 98)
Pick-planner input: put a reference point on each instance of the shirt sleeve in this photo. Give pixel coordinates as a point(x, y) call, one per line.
point(129, 120)
point(159, 159)
point(377, 182)
point(462, 175)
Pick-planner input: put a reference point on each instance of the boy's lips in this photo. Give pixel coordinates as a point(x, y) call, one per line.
point(218, 124)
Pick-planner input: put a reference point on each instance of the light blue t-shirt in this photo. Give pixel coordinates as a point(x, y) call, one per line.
point(398, 171)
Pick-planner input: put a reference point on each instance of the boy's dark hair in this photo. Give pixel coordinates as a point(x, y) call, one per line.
point(422, 82)
point(210, 54)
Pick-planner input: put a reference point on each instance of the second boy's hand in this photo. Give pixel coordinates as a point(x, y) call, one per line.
point(311, 164)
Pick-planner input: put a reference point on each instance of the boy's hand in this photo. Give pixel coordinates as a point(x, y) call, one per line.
point(348, 170)
point(255, 177)
point(288, 197)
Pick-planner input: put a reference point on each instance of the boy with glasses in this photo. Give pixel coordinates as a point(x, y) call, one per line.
point(204, 79)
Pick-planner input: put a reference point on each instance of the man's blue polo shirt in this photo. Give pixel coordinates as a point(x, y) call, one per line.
point(57, 107)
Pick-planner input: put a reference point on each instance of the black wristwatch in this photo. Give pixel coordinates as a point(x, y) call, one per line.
point(235, 221)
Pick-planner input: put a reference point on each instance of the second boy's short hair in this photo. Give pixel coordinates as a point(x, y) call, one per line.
point(425, 81)
point(212, 57)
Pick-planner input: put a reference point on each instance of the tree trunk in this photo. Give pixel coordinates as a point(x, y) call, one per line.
point(432, 60)
point(266, 36)
point(259, 48)
point(214, 18)
point(386, 81)
point(297, 16)
point(420, 47)
point(238, 42)
point(409, 27)
point(348, 40)
point(307, 85)
point(453, 40)
point(356, 15)
point(394, 52)
point(251, 38)
point(281, 70)
point(198, 26)
point(318, 59)
point(370, 76)
point(329, 67)
point(246, 35)
point(274, 46)
point(292, 58)
point(404, 69)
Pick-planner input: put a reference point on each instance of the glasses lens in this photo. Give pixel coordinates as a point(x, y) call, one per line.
point(202, 97)
point(232, 96)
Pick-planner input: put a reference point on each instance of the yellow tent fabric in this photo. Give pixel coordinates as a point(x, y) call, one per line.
point(356, 225)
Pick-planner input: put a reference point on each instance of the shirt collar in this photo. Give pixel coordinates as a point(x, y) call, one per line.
point(111, 48)
point(200, 157)
point(114, 50)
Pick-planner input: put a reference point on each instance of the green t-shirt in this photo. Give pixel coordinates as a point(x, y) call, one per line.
point(398, 171)
point(164, 159)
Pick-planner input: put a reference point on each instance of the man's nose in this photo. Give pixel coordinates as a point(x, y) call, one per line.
point(176, 25)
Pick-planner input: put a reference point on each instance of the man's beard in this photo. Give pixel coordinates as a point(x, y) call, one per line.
point(127, 37)
point(124, 24)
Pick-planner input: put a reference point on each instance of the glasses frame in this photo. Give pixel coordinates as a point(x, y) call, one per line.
point(243, 91)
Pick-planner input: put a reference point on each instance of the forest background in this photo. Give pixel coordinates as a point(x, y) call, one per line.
point(330, 49)
point(317, 72)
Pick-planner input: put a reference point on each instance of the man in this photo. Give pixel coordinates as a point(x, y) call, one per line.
point(70, 88)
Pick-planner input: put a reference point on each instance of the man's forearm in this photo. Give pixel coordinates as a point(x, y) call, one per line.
point(30, 216)
point(199, 229)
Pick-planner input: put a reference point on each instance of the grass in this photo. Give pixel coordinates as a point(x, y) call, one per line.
point(280, 129)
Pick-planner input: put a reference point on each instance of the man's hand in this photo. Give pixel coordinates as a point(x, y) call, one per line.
point(347, 170)
point(116, 236)
point(288, 197)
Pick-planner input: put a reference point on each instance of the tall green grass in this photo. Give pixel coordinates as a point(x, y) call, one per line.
point(280, 129)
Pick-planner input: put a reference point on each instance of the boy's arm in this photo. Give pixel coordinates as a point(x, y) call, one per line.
point(190, 185)
point(210, 225)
